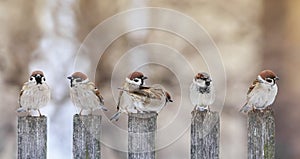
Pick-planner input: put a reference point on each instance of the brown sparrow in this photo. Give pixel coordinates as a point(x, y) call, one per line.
point(202, 91)
point(35, 93)
point(134, 81)
point(84, 94)
point(262, 92)
point(149, 99)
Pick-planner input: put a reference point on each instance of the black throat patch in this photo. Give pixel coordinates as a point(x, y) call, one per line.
point(38, 80)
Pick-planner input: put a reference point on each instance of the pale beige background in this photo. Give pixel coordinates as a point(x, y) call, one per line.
point(250, 35)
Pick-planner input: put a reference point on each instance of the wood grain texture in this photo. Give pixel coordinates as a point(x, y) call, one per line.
point(261, 134)
point(32, 137)
point(141, 135)
point(86, 136)
point(205, 135)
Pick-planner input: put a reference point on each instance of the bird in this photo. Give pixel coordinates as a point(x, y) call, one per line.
point(262, 92)
point(35, 93)
point(84, 93)
point(202, 92)
point(149, 99)
point(133, 82)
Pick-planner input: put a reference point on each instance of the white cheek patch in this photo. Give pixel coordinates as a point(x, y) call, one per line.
point(128, 80)
point(199, 83)
point(260, 79)
point(132, 82)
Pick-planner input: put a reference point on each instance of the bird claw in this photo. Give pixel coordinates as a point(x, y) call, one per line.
point(202, 109)
point(39, 112)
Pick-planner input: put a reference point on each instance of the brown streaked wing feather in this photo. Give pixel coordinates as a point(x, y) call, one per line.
point(158, 93)
point(21, 93)
point(97, 92)
point(149, 93)
point(20, 97)
point(143, 93)
point(255, 82)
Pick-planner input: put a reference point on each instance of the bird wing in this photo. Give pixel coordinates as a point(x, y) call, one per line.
point(20, 97)
point(255, 82)
point(149, 92)
point(97, 92)
point(21, 92)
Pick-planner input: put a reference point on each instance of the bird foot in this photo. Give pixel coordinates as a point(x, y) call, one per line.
point(202, 109)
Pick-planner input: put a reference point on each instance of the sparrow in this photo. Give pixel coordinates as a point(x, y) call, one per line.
point(262, 92)
point(149, 99)
point(133, 82)
point(35, 93)
point(202, 91)
point(84, 94)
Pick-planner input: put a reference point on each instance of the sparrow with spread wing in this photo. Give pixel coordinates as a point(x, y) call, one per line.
point(149, 99)
point(133, 82)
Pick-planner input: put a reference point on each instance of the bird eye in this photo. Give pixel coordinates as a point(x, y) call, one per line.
point(269, 80)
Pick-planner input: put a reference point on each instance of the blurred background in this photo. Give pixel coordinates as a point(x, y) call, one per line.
point(250, 35)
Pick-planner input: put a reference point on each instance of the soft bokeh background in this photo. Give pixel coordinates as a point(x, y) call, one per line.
point(250, 35)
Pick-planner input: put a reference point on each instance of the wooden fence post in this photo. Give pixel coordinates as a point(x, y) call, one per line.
point(205, 135)
point(86, 136)
point(141, 135)
point(32, 137)
point(261, 134)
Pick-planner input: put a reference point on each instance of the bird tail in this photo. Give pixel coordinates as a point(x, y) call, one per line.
point(116, 116)
point(246, 108)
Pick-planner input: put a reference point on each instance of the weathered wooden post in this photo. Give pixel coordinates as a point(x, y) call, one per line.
point(86, 136)
point(32, 137)
point(205, 135)
point(261, 134)
point(141, 135)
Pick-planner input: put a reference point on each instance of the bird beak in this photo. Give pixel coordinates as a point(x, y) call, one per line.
point(71, 80)
point(38, 79)
point(276, 78)
point(145, 78)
